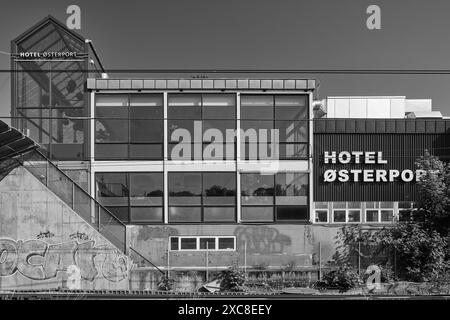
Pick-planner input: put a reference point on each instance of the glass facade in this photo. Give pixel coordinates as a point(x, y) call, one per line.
point(135, 197)
point(278, 197)
point(129, 127)
point(286, 113)
point(49, 100)
point(202, 127)
point(202, 197)
point(197, 122)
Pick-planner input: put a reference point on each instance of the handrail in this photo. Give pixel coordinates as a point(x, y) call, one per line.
point(140, 255)
point(104, 231)
point(95, 202)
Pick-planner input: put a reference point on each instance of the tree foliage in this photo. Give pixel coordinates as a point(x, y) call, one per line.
point(418, 249)
point(233, 279)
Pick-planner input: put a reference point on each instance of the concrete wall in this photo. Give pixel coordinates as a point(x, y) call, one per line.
point(268, 246)
point(41, 239)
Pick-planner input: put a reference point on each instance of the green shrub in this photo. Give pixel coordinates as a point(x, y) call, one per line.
point(166, 284)
point(344, 278)
point(233, 279)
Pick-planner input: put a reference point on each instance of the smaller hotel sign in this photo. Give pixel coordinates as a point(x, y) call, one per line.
point(49, 55)
point(365, 175)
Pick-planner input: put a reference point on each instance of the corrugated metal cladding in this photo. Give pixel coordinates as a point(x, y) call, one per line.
point(401, 141)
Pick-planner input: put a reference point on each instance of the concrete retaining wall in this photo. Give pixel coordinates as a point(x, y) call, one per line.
point(46, 245)
point(268, 246)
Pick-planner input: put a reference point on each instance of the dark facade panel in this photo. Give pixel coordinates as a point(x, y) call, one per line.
point(382, 126)
point(399, 150)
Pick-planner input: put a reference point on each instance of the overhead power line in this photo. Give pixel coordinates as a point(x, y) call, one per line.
point(252, 71)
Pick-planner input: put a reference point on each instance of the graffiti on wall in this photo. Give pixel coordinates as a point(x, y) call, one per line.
point(45, 235)
point(80, 236)
point(39, 260)
point(264, 240)
point(146, 233)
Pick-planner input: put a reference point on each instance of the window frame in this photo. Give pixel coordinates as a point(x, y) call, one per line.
point(202, 205)
point(274, 120)
point(274, 204)
point(129, 206)
point(198, 247)
point(129, 120)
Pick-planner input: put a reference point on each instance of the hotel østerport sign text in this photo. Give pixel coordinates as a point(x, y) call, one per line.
point(365, 175)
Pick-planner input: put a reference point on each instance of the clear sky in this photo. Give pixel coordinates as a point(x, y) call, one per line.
point(260, 34)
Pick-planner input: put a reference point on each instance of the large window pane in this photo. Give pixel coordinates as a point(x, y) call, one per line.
point(257, 189)
point(146, 189)
point(112, 189)
point(219, 106)
point(120, 213)
point(292, 189)
point(106, 100)
point(109, 151)
point(217, 214)
point(184, 130)
point(257, 214)
point(291, 107)
point(184, 188)
point(257, 107)
point(292, 213)
point(184, 106)
point(111, 124)
point(146, 151)
point(147, 131)
point(220, 125)
point(219, 188)
point(146, 214)
point(146, 100)
point(184, 214)
point(292, 131)
point(293, 151)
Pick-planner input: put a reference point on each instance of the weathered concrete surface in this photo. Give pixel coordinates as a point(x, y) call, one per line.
point(40, 237)
point(268, 246)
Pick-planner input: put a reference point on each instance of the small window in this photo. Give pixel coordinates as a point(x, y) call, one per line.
point(226, 243)
point(188, 244)
point(354, 216)
point(174, 243)
point(208, 243)
point(387, 215)
point(212, 243)
point(372, 216)
point(339, 216)
point(321, 216)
